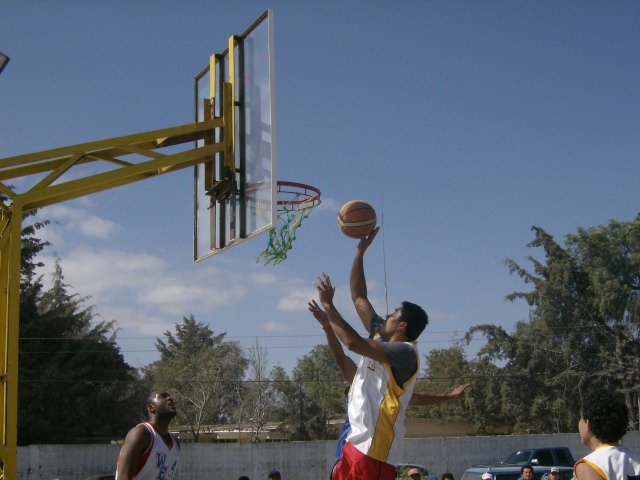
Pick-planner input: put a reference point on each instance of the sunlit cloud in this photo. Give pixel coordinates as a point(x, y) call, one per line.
point(66, 220)
point(103, 271)
point(296, 301)
point(264, 278)
point(328, 205)
point(276, 327)
point(135, 321)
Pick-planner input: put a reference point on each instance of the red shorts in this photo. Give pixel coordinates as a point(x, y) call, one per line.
point(355, 465)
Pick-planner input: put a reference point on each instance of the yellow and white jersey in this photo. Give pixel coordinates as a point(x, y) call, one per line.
point(377, 406)
point(613, 462)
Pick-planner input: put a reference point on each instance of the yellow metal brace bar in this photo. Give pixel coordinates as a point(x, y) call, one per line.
point(52, 165)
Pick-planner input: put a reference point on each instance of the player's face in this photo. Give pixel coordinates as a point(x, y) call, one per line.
point(583, 428)
point(527, 474)
point(164, 406)
point(391, 323)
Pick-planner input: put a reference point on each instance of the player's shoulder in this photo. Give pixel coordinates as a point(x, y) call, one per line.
point(583, 471)
point(139, 432)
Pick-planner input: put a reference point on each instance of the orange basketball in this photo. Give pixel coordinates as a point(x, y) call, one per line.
point(357, 218)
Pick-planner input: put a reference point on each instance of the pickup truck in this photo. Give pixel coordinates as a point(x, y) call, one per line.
point(541, 459)
point(550, 456)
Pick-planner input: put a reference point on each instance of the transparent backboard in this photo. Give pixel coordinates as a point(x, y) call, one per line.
point(230, 213)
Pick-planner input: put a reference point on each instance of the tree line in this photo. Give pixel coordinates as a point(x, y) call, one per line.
point(583, 326)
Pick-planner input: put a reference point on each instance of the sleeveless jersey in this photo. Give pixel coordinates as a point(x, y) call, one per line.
point(376, 412)
point(613, 462)
point(160, 460)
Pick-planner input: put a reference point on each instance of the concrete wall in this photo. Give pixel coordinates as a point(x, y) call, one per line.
point(296, 460)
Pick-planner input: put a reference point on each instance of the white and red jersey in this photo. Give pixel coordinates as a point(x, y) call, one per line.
point(160, 460)
point(613, 462)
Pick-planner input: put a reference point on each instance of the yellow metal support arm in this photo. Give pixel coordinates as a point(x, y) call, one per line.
point(114, 162)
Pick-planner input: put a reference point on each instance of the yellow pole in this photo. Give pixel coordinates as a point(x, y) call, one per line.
point(9, 319)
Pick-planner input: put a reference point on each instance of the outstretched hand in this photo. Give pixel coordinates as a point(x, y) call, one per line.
point(325, 289)
point(366, 240)
point(459, 391)
point(319, 314)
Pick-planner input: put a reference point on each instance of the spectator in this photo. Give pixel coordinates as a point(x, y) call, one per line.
point(554, 474)
point(414, 474)
point(274, 475)
point(526, 473)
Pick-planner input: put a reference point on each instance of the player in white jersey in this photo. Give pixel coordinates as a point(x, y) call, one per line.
point(384, 380)
point(150, 452)
point(603, 422)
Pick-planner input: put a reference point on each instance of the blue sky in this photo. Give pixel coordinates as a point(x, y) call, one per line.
point(464, 122)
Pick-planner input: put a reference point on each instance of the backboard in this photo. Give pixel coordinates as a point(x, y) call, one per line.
point(235, 197)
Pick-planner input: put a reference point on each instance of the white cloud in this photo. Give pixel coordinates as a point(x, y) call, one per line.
point(264, 278)
point(135, 322)
point(66, 220)
point(188, 294)
point(276, 327)
point(101, 271)
point(328, 204)
point(296, 301)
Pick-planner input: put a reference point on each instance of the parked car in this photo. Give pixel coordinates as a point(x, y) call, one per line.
point(551, 456)
point(541, 459)
point(512, 472)
point(403, 468)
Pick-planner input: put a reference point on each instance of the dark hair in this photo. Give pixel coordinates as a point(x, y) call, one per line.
point(607, 413)
point(447, 475)
point(524, 467)
point(243, 477)
point(416, 319)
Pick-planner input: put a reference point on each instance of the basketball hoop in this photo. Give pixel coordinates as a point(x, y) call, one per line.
point(295, 202)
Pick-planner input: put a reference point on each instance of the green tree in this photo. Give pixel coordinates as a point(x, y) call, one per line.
point(201, 370)
point(323, 380)
point(583, 326)
point(300, 416)
point(74, 383)
point(257, 397)
point(444, 370)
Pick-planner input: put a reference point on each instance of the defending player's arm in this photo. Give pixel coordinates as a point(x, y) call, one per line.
point(584, 471)
point(346, 364)
point(137, 441)
point(426, 398)
point(358, 282)
point(345, 332)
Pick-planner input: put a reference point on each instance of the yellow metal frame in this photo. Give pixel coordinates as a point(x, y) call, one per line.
point(52, 165)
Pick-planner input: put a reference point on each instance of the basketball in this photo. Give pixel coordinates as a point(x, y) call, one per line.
point(357, 219)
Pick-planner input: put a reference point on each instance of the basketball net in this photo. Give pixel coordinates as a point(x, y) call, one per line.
point(295, 202)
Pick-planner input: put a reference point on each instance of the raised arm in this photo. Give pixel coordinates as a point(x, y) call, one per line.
point(358, 282)
point(345, 332)
point(426, 398)
point(347, 366)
